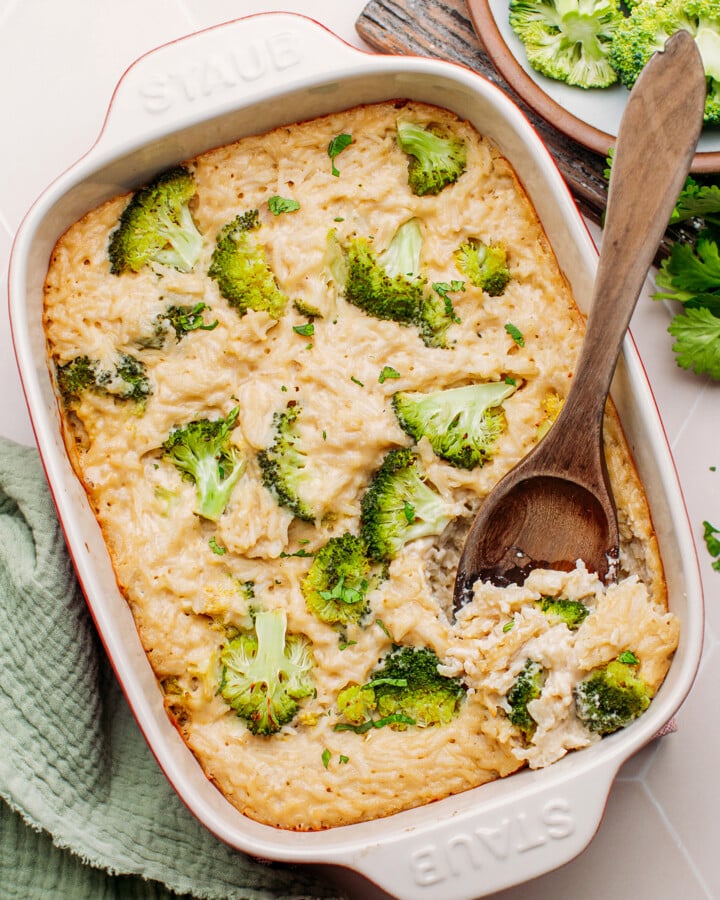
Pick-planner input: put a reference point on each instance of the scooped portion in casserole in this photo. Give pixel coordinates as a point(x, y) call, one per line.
point(288, 372)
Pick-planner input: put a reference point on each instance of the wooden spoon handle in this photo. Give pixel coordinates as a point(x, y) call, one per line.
point(656, 142)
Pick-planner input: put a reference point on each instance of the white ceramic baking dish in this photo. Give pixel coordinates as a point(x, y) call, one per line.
point(244, 77)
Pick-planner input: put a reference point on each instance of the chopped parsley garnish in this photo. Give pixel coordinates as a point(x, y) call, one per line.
point(279, 205)
point(216, 548)
point(336, 146)
point(443, 289)
point(387, 372)
point(394, 719)
point(307, 330)
point(515, 334)
point(712, 543)
point(345, 594)
point(326, 756)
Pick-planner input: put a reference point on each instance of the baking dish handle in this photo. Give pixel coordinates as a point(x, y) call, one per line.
point(213, 71)
point(509, 838)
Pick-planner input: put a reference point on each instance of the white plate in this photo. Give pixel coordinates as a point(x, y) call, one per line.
point(591, 117)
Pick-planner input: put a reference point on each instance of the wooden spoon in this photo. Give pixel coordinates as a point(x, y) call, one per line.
point(556, 506)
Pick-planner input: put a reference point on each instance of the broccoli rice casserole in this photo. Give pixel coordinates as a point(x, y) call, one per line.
point(288, 372)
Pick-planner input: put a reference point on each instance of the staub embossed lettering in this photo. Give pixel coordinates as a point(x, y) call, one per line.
point(489, 845)
point(220, 72)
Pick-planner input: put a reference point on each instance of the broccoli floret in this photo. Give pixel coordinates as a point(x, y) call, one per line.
point(437, 314)
point(462, 424)
point(178, 319)
point(336, 585)
point(157, 226)
point(128, 381)
point(568, 40)
point(283, 463)
point(400, 506)
point(406, 689)
point(527, 687)
point(436, 157)
point(612, 696)
point(484, 265)
point(184, 319)
point(639, 35)
point(559, 609)
point(388, 285)
point(650, 24)
point(75, 377)
point(124, 378)
point(396, 292)
point(241, 270)
point(204, 454)
point(266, 672)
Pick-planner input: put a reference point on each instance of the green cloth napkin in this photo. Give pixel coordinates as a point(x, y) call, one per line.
point(85, 811)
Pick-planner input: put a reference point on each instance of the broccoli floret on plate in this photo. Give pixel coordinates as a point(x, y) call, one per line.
point(568, 40)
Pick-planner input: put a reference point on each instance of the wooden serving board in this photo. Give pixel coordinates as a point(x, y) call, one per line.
point(442, 29)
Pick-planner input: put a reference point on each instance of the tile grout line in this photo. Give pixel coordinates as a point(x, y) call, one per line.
point(645, 768)
point(678, 841)
point(681, 430)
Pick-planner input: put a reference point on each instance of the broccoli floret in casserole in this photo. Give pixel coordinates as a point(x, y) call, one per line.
point(177, 320)
point(124, 378)
point(572, 613)
point(389, 285)
point(612, 696)
point(526, 687)
point(204, 454)
point(266, 673)
point(157, 226)
point(184, 319)
point(462, 424)
point(338, 581)
point(395, 292)
point(75, 377)
point(436, 157)
point(283, 464)
point(484, 265)
point(651, 23)
point(568, 40)
point(239, 266)
point(405, 689)
point(400, 506)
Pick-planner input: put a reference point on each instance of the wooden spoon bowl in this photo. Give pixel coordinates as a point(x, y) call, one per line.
point(556, 506)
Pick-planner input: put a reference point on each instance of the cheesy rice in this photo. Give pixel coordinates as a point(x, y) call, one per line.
point(185, 577)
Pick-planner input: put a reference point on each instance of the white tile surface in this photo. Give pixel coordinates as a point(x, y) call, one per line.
point(59, 62)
